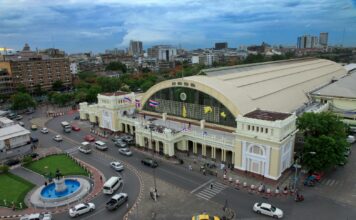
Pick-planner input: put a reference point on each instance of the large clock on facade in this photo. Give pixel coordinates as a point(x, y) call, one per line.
point(183, 96)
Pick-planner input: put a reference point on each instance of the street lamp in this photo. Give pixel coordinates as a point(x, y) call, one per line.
point(298, 166)
point(153, 156)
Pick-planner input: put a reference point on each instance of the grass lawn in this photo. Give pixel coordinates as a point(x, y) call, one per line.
point(60, 161)
point(14, 189)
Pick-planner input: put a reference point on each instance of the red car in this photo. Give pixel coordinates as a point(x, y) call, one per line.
point(89, 138)
point(75, 128)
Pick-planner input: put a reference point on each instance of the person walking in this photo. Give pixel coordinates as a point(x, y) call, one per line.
point(211, 186)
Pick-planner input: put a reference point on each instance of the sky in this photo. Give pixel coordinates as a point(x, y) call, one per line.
point(96, 25)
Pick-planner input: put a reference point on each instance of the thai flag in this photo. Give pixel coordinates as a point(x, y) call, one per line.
point(138, 103)
point(127, 99)
point(153, 103)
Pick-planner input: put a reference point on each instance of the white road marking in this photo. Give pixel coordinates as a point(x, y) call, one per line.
point(201, 186)
point(209, 193)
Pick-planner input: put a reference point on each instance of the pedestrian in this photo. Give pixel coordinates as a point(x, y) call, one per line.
point(211, 185)
point(204, 172)
point(101, 178)
point(190, 167)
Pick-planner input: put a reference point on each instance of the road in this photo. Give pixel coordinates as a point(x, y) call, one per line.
point(316, 205)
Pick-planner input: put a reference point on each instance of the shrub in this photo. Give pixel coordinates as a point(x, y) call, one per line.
point(27, 159)
point(4, 168)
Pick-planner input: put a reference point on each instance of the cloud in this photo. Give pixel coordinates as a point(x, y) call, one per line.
point(197, 23)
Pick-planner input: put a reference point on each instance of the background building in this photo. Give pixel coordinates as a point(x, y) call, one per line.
point(135, 48)
point(163, 52)
point(307, 41)
point(323, 39)
point(221, 46)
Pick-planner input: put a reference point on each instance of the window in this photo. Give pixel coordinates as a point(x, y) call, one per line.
point(257, 129)
point(248, 127)
point(179, 83)
point(256, 150)
point(174, 83)
point(266, 130)
point(186, 84)
point(192, 85)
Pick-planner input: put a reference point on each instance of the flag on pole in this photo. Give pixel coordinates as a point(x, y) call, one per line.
point(127, 99)
point(138, 103)
point(153, 103)
point(207, 109)
point(184, 112)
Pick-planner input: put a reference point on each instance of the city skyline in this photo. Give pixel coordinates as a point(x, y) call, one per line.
point(78, 25)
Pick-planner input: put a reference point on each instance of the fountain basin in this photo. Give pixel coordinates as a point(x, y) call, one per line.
point(49, 191)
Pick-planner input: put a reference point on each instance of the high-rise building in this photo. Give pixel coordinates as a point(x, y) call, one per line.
point(162, 52)
point(221, 46)
point(323, 39)
point(307, 41)
point(29, 68)
point(135, 48)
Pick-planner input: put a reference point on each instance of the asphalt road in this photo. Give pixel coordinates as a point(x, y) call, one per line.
point(315, 206)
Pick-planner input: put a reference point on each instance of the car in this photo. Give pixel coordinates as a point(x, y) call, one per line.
point(89, 138)
point(116, 201)
point(33, 139)
point(350, 139)
point(12, 162)
point(127, 138)
point(149, 162)
point(58, 138)
point(44, 130)
point(21, 123)
point(85, 147)
point(37, 216)
point(75, 128)
point(116, 137)
point(100, 145)
point(30, 111)
point(120, 144)
point(81, 209)
point(117, 166)
point(12, 115)
point(205, 216)
point(34, 127)
point(347, 152)
point(18, 117)
point(125, 151)
point(267, 209)
point(76, 117)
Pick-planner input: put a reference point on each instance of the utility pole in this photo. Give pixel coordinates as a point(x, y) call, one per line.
point(153, 156)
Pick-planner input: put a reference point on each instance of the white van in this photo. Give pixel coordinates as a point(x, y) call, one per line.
point(85, 147)
point(100, 145)
point(112, 185)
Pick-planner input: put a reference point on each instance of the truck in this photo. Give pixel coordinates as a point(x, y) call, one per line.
point(37, 216)
point(66, 127)
point(116, 201)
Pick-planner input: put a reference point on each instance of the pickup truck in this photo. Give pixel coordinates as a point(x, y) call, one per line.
point(116, 201)
point(37, 216)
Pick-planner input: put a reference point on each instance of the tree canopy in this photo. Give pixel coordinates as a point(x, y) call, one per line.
point(22, 101)
point(325, 135)
point(57, 85)
point(116, 66)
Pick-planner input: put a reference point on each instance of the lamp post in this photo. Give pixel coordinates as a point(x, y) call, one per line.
point(299, 166)
point(153, 156)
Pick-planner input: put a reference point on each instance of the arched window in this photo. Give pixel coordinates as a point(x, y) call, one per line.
point(256, 150)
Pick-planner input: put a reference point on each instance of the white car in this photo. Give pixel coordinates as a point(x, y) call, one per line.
point(37, 216)
point(58, 138)
point(125, 151)
point(81, 209)
point(117, 166)
point(21, 123)
point(44, 130)
point(268, 209)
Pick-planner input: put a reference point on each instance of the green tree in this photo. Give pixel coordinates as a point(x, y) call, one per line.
point(325, 135)
point(92, 93)
point(57, 85)
point(109, 84)
point(22, 101)
point(21, 88)
point(80, 95)
point(38, 90)
point(116, 66)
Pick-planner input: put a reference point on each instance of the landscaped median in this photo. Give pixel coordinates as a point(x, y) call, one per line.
point(13, 190)
point(49, 165)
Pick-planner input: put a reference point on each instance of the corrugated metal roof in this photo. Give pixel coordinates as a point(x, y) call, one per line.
point(12, 131)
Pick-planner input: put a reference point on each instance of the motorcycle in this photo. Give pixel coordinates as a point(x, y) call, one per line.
point(299, 198)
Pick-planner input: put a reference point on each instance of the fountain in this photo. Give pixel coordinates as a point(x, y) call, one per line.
point(61, 191)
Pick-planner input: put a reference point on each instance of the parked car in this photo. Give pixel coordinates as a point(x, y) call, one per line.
point(12, 162)
point(116, 137)
point(117, 166)
point(30, 111)
point(205, 216)
point(127, 138)
point(351, 139)
point(75, 128)
point(89, 138)
point(37, 216)
point(33, 139)
point(21, 123)
point(121, 144)
point(12, 115)
point(81, 209)
point(18, 117)
point(116, 201)
point(76, 117)
point(149, 162)
point(125, 151)
point(44, 130)
point(34, 127)
point(58, 138)
point(268, 209)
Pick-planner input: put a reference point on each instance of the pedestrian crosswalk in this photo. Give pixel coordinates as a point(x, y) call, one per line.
point(331, 182)
point(71, 150)
point(211, 190)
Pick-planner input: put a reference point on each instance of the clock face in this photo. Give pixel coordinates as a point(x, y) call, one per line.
point(183, 96)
